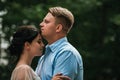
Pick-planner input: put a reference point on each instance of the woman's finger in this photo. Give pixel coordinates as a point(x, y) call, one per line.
point(64, 78)
point(58, 74)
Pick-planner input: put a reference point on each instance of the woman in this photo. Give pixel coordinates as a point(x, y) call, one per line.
point(26, 44)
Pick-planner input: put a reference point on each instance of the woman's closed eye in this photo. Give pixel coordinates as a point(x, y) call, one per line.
point(39, 41)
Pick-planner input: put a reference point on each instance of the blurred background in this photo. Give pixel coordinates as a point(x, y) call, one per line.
point(95, 33)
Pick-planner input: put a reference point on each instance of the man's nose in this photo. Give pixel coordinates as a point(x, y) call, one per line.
point(41, 24)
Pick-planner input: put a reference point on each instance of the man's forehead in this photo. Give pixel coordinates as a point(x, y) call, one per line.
point(49, 15)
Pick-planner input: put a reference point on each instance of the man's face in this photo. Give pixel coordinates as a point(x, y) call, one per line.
point(48, 26)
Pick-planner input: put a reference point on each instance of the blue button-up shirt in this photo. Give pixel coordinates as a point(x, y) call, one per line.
point(60, 57)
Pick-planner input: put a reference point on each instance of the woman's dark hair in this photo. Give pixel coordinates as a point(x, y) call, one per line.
point(22, 35)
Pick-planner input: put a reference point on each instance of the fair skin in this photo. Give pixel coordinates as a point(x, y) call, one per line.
point(35, 49)
point(51, 31)
point(31, 50)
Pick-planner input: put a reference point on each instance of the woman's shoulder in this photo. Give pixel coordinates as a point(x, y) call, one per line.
point(22, 72)
point(22, 66)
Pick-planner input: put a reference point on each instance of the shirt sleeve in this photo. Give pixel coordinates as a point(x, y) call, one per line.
point(23, 73)
point(66, 64)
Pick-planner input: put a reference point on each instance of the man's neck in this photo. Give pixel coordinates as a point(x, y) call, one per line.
point(54, 39)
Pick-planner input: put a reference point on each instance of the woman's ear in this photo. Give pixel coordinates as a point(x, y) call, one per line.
point(59, 28)
point(27, 45)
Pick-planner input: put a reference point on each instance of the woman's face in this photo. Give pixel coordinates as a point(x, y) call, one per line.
point(37, 46)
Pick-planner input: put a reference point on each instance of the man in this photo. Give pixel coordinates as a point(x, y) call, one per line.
point(60, 56)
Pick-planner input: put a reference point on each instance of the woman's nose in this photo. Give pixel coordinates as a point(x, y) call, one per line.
point(43, 45)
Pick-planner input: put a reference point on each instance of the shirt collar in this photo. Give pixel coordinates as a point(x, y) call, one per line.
point(54, 45)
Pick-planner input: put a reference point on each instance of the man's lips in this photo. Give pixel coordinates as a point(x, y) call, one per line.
point(42, 29)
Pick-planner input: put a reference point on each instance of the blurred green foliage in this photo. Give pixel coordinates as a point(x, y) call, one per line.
point(95, 33)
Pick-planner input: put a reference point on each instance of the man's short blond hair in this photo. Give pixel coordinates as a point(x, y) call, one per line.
point(63, 16)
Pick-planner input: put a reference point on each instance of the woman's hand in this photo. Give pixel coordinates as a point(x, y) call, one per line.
point(60, 77)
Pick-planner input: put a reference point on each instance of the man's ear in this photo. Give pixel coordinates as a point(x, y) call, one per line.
point(59, 28)
point(27, 45)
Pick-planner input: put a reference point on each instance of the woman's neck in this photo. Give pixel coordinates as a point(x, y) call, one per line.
point(25, 58)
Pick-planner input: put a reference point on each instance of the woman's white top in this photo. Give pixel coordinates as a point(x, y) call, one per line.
point(24, 72)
